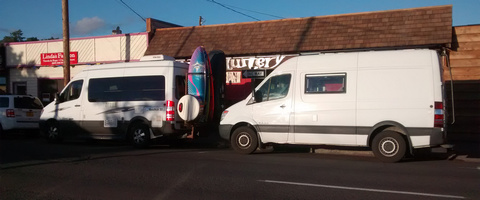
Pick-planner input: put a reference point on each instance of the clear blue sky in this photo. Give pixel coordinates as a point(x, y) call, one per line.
point(43, 18)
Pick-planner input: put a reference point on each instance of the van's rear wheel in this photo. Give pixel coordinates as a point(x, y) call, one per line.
point(389, 146)
point(53, 132)
point(140, 135)
point(244, 140)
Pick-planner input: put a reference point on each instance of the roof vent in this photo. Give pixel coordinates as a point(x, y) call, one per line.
point(156, 57)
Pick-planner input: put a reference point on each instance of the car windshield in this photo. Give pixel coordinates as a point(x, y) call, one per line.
point(27, 102)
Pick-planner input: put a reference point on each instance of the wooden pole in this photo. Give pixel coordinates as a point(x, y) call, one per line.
point(66, 43)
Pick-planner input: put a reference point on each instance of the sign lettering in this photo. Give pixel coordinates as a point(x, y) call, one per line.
point(48, 59)
point(256, 63)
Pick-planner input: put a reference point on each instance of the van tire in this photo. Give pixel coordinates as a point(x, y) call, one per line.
point(389, 146)
point(244, 140)
point(140, 135)
point(54, 134)
point(2, 132)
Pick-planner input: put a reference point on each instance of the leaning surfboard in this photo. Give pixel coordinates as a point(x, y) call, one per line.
point(196, 104)
point(197, 73)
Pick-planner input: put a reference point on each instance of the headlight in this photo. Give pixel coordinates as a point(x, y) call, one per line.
point(224, 113)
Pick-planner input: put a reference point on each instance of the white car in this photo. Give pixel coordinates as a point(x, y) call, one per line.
point(19, 112)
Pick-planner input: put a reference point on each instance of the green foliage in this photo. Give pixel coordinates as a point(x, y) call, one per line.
point(17, 36)
point(32, 39)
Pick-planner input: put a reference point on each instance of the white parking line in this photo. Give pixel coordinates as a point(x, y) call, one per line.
point(362, 189)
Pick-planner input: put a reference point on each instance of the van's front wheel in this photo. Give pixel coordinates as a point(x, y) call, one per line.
point(389, 146)
point(244, 140)
point(140, 135)
point(53, 132)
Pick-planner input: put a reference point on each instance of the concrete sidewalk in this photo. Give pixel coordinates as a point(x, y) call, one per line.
point(466, 151)
point(462, 151)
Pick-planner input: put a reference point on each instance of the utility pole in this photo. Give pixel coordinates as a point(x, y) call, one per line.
point(66, 43)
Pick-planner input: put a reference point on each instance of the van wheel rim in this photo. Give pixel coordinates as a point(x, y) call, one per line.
point(388, 146)
point(243, 141)
point(138, 136)
point(53, 132)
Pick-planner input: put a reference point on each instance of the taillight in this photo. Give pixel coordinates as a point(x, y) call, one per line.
point(10, 113)
point(170, 111)
point(439, 115)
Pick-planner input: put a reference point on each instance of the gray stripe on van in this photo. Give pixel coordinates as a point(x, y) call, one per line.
point(341, 130)
point(273, 128)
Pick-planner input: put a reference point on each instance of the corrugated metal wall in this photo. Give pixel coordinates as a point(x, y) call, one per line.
point(92, 50)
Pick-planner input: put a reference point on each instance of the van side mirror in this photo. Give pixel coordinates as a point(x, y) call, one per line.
point(57, 98)
point(258, 96)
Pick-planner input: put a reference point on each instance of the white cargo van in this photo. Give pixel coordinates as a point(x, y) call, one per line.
point(391, 101)
point(133, 100)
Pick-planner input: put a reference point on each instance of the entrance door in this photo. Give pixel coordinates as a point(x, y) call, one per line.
point(20, 88)
point(47, 88)
point(273, 111)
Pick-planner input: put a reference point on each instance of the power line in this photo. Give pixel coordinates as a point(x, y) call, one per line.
point(213, 1)
point(133, 10)
point(275, 16)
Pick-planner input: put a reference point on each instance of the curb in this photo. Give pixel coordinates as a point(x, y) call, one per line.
point(433, 153)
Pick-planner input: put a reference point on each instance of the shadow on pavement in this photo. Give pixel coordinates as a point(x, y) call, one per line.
point(22, 150)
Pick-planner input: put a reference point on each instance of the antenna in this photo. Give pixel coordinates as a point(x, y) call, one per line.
point(201, 21)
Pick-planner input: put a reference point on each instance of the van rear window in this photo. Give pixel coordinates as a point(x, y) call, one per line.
point(4, 102)
point(325, 83)
point(137, 88)
point(27, 103)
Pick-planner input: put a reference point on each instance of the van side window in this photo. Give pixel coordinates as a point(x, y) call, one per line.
point(135, 88)
point(275, 88)
point(325, 83)
point(72, 91)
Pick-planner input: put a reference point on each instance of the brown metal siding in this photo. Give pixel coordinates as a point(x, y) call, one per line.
point(465, 67)
point(428, 26)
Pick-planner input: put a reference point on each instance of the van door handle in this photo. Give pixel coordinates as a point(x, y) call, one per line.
point(77, 105)
point(283, 106)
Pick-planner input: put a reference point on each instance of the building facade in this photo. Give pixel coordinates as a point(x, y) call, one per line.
point(35, 68)
point(261, 46)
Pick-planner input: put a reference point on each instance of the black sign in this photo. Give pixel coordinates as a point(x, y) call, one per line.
point(253, 73)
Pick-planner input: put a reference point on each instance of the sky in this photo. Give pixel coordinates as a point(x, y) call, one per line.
point(43, 18)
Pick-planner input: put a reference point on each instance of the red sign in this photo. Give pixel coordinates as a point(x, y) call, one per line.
point(49, 59)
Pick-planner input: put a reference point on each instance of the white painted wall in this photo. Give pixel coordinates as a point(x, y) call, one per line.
point(91, 50)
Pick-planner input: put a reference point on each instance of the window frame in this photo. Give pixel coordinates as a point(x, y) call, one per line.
point(125, 93)
point(269, 82)
point(339, 74)
point(63, 97)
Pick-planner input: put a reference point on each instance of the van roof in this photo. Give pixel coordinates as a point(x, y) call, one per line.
point(139, 64)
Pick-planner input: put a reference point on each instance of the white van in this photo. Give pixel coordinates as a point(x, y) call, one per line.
point(391, 101)
point(133, 100)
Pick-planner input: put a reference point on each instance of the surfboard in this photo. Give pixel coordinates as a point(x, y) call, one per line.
point(197, 73)
point(200, 83)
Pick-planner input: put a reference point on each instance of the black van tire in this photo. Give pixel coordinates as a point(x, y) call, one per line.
point(2, 132)
point(389, 146)
point(244, 140)
point(53, 133)
point(140, 135)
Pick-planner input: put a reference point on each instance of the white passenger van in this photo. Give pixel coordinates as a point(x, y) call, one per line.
point(133, 100)
point(391, 101)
